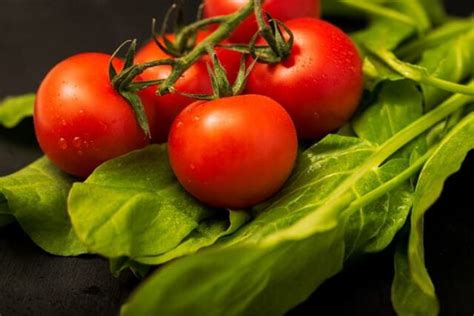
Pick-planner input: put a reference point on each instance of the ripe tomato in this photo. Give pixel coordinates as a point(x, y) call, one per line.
point(233, 152)
point(80, 120)
point(282, 10)
point(320, 84)
point(195, 80)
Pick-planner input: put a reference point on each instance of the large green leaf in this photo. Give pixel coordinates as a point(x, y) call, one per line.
point(413, 292)
point(37, 198)
point(15, 109)
point(248, 273)
point(252, 280)
point(206, 234)
point(134, 207)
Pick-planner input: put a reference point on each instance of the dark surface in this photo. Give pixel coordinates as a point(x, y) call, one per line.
point(38, 33)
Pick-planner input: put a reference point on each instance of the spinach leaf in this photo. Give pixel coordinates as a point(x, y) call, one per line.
point(393, 68)
point(5, 217)
point(36, 197)
point(134, 207)
point(399, 104)
point(453, 61)
point(435, 10)
point(411, 51)
point(412, 291)
point(206, 234)
point(6, 220)
point(242, 280)
point(248, 273)
point(15, 109)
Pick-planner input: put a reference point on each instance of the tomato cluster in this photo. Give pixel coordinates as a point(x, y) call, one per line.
point(230, 152)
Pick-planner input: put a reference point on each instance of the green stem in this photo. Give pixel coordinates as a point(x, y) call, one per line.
point(191, 28)
point(381, 11)
point(413, 50)
point(447, 85)
point(390, 185)
point(225, 29)
point(418, 74)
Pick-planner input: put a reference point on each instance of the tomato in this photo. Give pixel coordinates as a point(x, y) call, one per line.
point(282, 10)
point(80, 120)
point(233, 152)
point(321, 82)
point(195, 80)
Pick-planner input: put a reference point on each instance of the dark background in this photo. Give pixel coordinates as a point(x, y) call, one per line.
point(35, 35)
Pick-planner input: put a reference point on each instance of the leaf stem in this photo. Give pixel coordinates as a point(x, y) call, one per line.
point(412, 51)
point(391, 184)
point(381, 11)
point(418, 74)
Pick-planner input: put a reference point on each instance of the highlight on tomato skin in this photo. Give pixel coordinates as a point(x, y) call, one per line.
point(81, 121)
point(233, 152)
point(282, 10)
point(320, 83)
point(195, 81)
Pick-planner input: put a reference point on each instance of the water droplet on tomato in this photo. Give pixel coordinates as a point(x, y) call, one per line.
point(193, 167)
point(179, 124)
point(196, 118)
point(63, 122)
point(77, 142)
point(62, 143)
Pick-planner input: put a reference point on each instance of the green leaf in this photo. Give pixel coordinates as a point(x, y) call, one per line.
point(446, 32)
point(144, 213)
point(15, 109)
point(5, 217)
point(250, 274)
point(417, 73)
point(36, 197)
point(242, 280)
point(453, 61)
point(412, 291)
point(6, 220)
point(435, 10)
point(206, 234)
point(399, 104)
point(388, 33)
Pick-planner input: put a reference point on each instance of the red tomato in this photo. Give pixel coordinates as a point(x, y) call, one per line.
point(233, 152)
point(282, 10)
point(80, 120)
point(195, 80)
point(320, 84)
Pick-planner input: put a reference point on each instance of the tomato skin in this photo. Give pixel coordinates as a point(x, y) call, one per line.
point(282, 10)
point(80, 120)
point(195, 80)
point(233, 152)
point(320, 84)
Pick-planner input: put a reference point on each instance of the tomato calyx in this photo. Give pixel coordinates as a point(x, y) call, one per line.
point(272, 31)
point(123, 82)
point(277, 35)
point(185, 36)
point(221, 86)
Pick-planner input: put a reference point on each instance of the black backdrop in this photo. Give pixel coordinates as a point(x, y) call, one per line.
point(36, 34)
